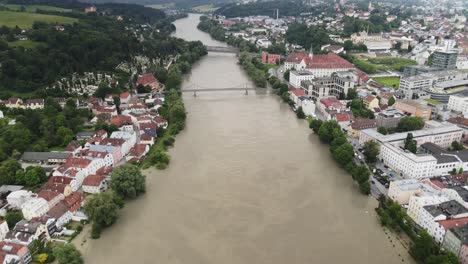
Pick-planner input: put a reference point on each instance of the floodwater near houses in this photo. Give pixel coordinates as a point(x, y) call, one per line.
point(247, 183)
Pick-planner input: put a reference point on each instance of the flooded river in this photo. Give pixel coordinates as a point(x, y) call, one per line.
point(248, 184)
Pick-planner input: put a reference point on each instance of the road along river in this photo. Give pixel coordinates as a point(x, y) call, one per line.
point(248, 184)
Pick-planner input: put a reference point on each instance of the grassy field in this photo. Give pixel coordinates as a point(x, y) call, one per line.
point(374, 65)
point(388, 81)
point(162, 6)
point(433, 102)
point(27, 44)
point(26, 20)
point(34, 8)
point(204, 8)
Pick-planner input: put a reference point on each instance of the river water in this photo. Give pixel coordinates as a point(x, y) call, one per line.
point(248, 184)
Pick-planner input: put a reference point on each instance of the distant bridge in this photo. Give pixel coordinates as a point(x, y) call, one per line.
point(194, 88)
point(222, 49)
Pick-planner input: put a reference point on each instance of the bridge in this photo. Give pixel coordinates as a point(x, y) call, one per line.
point(194, 88)
point(222, 49)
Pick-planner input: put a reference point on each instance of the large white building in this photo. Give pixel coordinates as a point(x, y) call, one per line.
point(401, 191)
point(406, 163)
point(378, 45)
point(17, 198)
point(35, 207)
point(458, 103)
point(431, 214)
point(416, 204)
point(296, 77)
point(130, 140)
point(442, 135)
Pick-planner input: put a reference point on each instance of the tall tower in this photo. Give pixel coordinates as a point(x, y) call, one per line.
point(311, 52)
point(370, 6)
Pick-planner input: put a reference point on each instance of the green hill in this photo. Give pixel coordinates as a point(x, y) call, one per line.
point(34, 8)
point(26, 20)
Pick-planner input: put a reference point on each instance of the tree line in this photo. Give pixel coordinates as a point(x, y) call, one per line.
point(330, 132)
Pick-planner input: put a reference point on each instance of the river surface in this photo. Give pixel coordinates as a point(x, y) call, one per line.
point(248, 184)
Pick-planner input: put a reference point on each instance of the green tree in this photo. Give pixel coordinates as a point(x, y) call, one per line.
point(326, 131)
point(34, 175)
point(286, 75)
point(315, 125)
point(344, 154)
point(457, 145)
point(410, 123)
point(382, 130)
point(128, 182)
point(410, 143)
point(102, 210)
point(361, 174)
point(391, 101)
point(364, 188)
point(8, 171)
point(348, 45)
point(423, 247)
point(67, 254)
point(300, 113)
point(12, 218)
point(371, 151)
point(443, 258)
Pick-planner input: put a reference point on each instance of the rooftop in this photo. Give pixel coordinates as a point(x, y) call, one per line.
point(449, 209)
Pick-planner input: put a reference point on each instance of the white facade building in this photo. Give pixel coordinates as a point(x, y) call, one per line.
point(401, 191)
point(296, 77)
point(3, 230)
point(458, 103)
point(130, 140)
point(35, 207)
point(416, 204)
point(18, 198)
point(407, 164)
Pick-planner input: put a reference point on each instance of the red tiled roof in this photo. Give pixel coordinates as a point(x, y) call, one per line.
point(121, 120)
point(459, 121)
point(342, 117)
point(74, 200)
point(145, 137)
point(299, 92)
point(146, 79)
point(77, 162)
point(13, 248)
point(58, 210)
point(363, 123)
point(93, 180)
point(148, 126)
point(369, 98)
point(124, 95)
point(330, 102)
point(138, 150)
point(159, 120)
point(297, 57)
point(48, 195)
point(329, 61)
point(453, 223)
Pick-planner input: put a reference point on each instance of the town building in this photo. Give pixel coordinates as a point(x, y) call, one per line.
point(432, 214)
point(61, 213)
point(14, 253)
point(458, 103)
point(389, 118)
point(96, 183)
point(320, 65)
point(418, 201)
point(268, 58)
point(401, 191)
point(3, 229)
point(25, 232)
point(297, 77)
point(456, 241)
point(16, 199)
point(35, 207)
point(446, 59)
point(414, 108)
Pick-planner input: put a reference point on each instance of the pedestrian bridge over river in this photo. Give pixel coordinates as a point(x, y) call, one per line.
point(222, 49)
point(194, 88)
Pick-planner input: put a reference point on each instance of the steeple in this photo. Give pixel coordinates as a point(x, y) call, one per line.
point(311, 52)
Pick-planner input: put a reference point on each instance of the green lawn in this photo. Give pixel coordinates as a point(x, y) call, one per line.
point(373, 65)
point(388, 81)
point(26, 20)
point(205, 8)
point(34, 8)
point(433, 102)
point(27, 44)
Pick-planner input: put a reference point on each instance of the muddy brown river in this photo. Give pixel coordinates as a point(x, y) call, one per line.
point(248, 184)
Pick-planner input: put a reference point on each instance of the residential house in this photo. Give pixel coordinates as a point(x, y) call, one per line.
point(401, 191)
point(61, 213)
point(456, 241)
point(161, 122)
point(137, 152)
point(51, 197)
point(148, 80)
point(418, 201)
point(74, 201)
point(268, 58)
point(360, 124)
point(147, 139)
point(14, 102)
point(129, 138)
point(148, 129)
point(95, 183)
point(14, 253)
point(370, 102)
point(343, 119)
point(60, 184)
point(34, 104)
point(25, 232)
